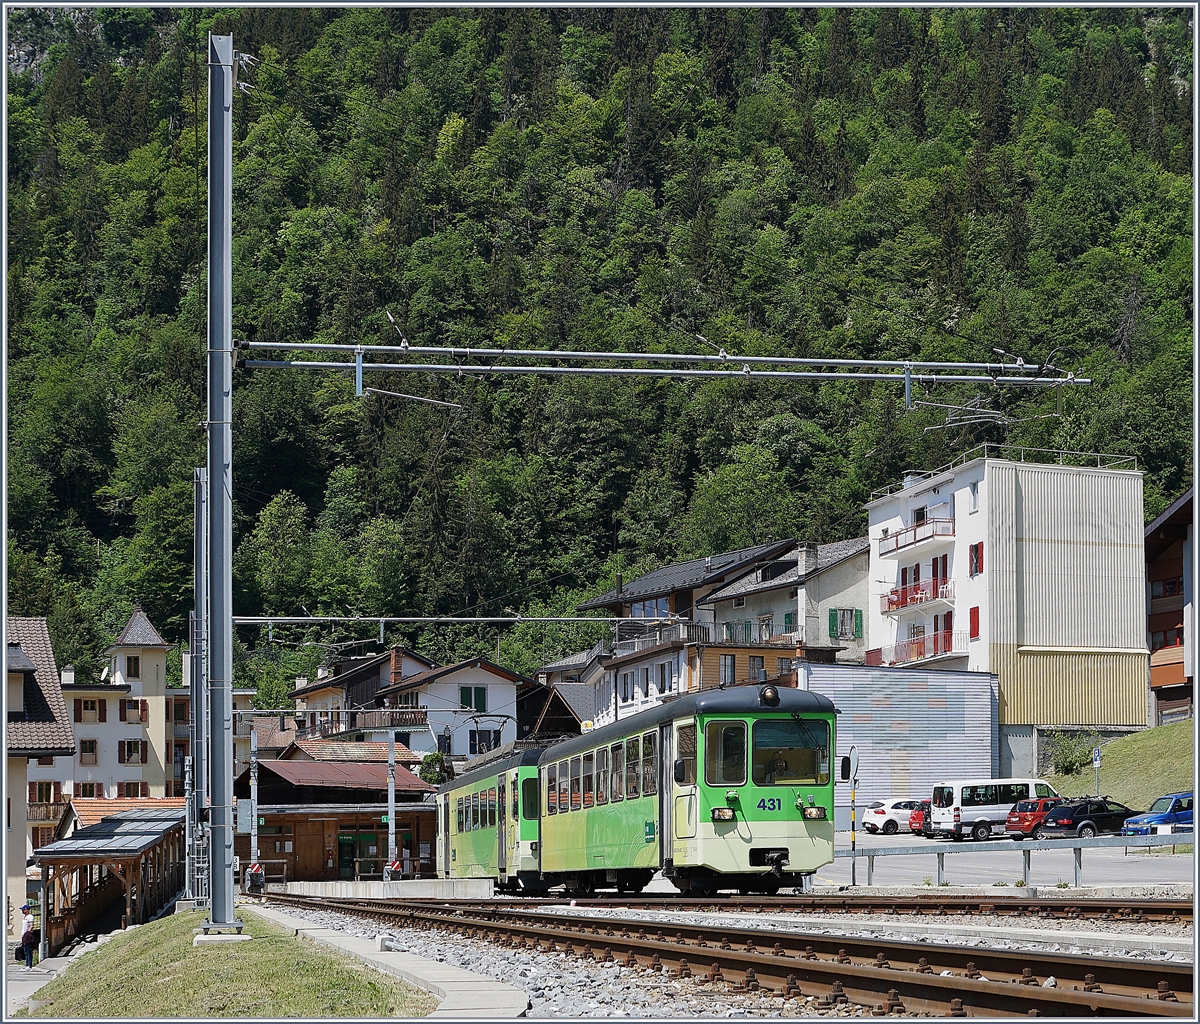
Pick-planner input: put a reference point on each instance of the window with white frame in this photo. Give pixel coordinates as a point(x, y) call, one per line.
point(133, 751)
point(647, 674)
point(739, 602)
point(626, 686)
point(87, 751)
point(133, 666)
point(766, 627)
point(757, 669)
point(664, 677)
point(88, 789)
point(89, 710)
point(133, 789)
point(728, 668)
point(973, 496)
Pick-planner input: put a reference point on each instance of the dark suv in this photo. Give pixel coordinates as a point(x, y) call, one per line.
point(1026, 817)
point(1086, 818)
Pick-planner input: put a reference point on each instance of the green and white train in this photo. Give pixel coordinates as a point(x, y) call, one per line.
point(725, 789)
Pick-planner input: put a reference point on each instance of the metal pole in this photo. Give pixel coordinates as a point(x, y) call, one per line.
point(220, 505)
point(199, 719)
point(189, 884)
point(253, 797)
point(391, 797)
point(853, 856)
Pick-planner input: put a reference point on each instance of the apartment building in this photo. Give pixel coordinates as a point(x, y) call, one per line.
point(1024, 563)
point(130, 729)
point(1169, 596)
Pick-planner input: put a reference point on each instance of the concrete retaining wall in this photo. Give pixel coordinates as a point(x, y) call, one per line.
point(423, 888)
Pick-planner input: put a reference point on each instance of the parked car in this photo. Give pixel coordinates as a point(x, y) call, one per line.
point(1026, 817)
point(919, 822)
point(1086, 818)
point(1174, 809)
point(887, 816)
point(978, 807)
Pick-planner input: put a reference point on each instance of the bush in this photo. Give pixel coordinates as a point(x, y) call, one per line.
point(434, 769)
point(1070, 752)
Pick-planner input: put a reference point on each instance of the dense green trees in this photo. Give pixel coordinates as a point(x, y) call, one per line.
point(878, 182)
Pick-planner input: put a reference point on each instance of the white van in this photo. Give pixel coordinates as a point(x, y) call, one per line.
point(974, 807)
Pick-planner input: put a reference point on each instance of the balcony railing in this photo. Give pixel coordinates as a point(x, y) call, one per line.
point(756, 633)
point(935, 645)
point(914, 534)
point(44, 811)
point(183, 731)
point(676, 632)
point(343, 722)
point(916, 593)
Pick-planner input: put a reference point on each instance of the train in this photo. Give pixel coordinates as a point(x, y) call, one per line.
point(725, 789)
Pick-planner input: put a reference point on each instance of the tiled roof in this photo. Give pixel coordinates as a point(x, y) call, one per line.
point(46, 727)
point(332, 750)
point(828, 555)
point(139, 632)
point(684, 575)
point(362, 667)
point(422, 678)
point(341, 775)
point(89, 810)
point(269, 733)
point(581, 698)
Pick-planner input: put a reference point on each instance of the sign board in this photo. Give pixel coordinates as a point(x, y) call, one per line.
point(586, 726)
point(649, 831)
point(262, 821)
point(1095, 757)
point(244, 816)
point(853, 761)
point(384, 819)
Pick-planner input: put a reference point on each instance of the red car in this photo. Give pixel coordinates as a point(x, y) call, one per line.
point(1025, 819)
point(917, 820)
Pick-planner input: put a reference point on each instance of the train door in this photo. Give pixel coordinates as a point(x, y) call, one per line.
point(501, 830)
point(446, 834)
point(683, 780)
point(666, 800)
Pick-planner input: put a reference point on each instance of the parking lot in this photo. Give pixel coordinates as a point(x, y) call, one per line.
point(1120, 866)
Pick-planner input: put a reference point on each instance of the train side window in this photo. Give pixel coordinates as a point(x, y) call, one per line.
point(685, 740)
point(491, 808)
point(529, 797)
point(602, 775)
point(589, 762)
point(618, 772)
point(564, 786)
point(649, 764)
point(551, 789)
point(633, 754)
point(513, 814)
point(725, 753)
point(576, 791)
point(475, 811)
point(458, 818)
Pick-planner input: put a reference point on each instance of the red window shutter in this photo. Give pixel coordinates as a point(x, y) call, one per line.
point(57, 792)
point(904, 575)
point(145, 748)
point(167, 705)
point(975, 623)
point(145, 789)
point(121, 752)
point(102, 706)
point(33, 792)
point(78, 788)
point(145, 710)
point(79, 709)
point(981, 556)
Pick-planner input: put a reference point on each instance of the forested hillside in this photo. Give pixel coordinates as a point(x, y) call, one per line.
point(893, 183)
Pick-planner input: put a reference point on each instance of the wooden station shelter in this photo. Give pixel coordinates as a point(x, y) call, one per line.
point(139, 854)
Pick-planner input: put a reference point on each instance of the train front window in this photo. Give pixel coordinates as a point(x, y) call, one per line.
point(725, 753)
point(789, 752)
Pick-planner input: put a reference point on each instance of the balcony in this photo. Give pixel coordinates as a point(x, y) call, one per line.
point(45, 811)
point(676, 632)
point(945, 644)
point(343, 722)
point(931, 594)
point(183, 731)
point(925, 534)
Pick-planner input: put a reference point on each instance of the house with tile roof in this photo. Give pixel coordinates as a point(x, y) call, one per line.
point(358, 753)
point(813, 597)
point(38, 730)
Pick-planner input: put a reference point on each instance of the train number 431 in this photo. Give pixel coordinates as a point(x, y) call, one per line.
point(772, 803)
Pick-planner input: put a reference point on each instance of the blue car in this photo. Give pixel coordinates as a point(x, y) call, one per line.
point(1173, 809)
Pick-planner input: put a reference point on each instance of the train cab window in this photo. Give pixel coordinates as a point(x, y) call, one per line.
point(602, 775)
point(617, 790)
point(633, 755)
point(685, 743)
point(564, 786)
point(649, 763)
point(529, 799)
point(576, 783)
point(791, 751)
point(725, 753)
point(491, 808)
point(458, 817)
point(551, 789)
point(589, 761)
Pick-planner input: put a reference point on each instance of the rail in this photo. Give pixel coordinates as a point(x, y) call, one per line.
point(1025, 848)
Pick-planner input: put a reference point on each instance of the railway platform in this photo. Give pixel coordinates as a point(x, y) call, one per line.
point(462, 993)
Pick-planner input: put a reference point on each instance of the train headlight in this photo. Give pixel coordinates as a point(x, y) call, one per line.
point(769, 695)
point(814, 813)
point(722, 814)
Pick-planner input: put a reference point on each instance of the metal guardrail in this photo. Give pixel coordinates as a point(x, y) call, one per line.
point(1025, 848)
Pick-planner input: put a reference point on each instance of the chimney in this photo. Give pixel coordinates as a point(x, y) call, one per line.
point(301, 682)
point(620, 584)
point(912, 477)
point(708, 563)
point(806, 559)
point(323, 672)
point(68, 675)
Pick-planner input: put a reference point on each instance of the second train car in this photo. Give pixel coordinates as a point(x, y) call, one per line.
point(723, 789)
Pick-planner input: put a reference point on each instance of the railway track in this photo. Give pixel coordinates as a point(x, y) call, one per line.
point(885, 974)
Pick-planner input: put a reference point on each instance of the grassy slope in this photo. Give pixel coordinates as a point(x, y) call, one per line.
point(1139, 768)
point(154, 971)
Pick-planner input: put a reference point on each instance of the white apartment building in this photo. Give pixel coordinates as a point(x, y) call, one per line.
point(1032, 570)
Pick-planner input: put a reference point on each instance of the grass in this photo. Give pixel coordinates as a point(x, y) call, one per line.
point(1139, 768)
point(154, 971)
